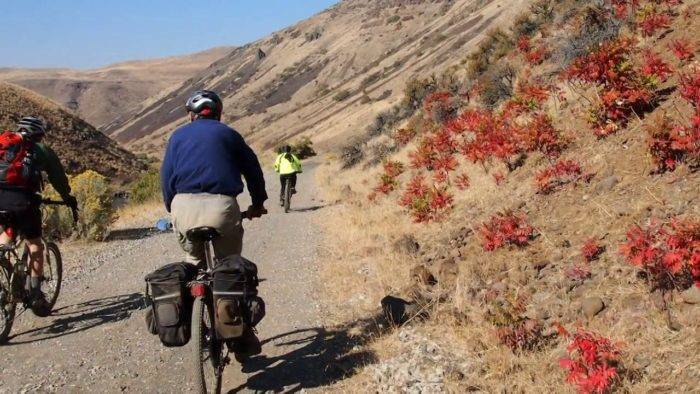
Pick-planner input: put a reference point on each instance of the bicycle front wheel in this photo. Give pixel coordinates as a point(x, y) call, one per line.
point(53, 274)
point(208, 351)
point(7, 305)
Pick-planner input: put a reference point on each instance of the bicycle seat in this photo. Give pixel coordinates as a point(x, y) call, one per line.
point(202, 234)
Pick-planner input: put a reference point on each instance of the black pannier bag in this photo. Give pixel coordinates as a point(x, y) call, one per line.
point(171, 303)
point(236, 300)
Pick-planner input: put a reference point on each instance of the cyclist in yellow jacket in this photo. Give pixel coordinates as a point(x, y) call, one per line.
point(288, 166)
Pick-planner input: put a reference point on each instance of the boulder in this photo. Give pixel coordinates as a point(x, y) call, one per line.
point(592, 306)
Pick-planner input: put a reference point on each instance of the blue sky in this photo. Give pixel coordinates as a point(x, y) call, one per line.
point(92, 33)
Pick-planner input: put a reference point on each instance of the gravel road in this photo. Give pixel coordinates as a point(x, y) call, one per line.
point(96, 340)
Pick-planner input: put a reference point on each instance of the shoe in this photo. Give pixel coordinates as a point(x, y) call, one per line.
point(281, 203)
point(40, 307)
point(294, 191)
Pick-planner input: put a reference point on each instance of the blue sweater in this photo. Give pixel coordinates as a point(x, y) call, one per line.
point(206, 156)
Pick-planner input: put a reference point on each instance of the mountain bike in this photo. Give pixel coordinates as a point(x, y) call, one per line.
point(14, 271)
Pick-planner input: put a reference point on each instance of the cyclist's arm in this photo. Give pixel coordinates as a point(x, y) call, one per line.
point(252, 171)
point(51, 165)
point(166, 172)
point(278, 161)
point(297, 163)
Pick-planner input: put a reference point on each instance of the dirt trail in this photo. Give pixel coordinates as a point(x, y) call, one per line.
point(96, 339)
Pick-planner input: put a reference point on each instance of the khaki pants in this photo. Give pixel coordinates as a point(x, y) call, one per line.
point(211, 210)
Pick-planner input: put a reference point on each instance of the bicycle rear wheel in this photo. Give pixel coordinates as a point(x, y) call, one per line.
point(208, 351)
point(287, 194)
point(7, 306)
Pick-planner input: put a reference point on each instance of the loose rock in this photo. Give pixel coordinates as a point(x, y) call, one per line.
point(592, 306)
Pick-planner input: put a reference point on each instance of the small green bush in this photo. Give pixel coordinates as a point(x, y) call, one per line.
point(497, 85)
point(496, 45)
point(341, 95)
point(314, 34)
point(417, 89)
point(304, 148)
point(393, 19)
point(146, 188)
point(96, 212)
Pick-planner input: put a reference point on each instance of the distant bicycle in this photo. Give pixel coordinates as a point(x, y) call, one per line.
point(287, 195)
point(14, 271)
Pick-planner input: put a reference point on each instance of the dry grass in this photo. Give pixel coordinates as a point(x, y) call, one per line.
point(133, 216)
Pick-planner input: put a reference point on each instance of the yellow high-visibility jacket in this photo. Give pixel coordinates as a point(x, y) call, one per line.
point(284, 166)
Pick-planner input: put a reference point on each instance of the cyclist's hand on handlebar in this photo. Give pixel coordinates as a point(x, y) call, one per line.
point(254, 212)
point(72, 202)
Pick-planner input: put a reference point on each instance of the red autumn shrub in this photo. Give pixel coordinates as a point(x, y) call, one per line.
point(425, 203)
point(655, 67)
point(650, 21)
point(533, 55)
point(523, 335)
point(559, 174)
point(593, 364)
point(682, 49)
point(504, 229)
point(534, 94)
point(670, 143)
point(540, 135)
point(440, 106)
point(591, 250)
point(622, 88)
point(668, 253)
point(690, 88)
point(462, 181)
point(579, 272)
point(404, 136)
point(388, 182)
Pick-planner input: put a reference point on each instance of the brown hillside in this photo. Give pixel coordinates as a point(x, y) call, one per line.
point(328, 76)
point(592, 281)
point(79, 145)
point(101, 95)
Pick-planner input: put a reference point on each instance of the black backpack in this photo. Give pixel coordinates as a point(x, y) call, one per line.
point(171, 303)
point(238, 306)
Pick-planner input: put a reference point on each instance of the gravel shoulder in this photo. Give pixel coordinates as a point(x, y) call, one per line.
point(96, 339)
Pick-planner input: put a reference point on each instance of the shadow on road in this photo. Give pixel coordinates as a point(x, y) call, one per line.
point(81, 317)
point(325, 356)
point(131, 234)
point(308, 209)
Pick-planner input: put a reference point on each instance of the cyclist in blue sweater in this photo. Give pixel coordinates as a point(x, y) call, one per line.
point(201, 178)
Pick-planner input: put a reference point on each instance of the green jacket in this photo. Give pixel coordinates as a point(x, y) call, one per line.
point(47, 161)
point(286, 166)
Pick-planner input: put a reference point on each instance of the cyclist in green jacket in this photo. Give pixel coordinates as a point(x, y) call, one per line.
point(288, 166)
point(20, 183)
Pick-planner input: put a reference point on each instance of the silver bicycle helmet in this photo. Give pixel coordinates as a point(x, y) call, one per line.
point(31, 126)
point(205, 103)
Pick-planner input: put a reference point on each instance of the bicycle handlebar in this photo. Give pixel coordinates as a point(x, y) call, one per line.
point(53, 202)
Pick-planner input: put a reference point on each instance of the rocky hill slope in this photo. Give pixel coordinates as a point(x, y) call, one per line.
point(79, 145)
point(539, 230)
point(325, 77)
point(101, 95)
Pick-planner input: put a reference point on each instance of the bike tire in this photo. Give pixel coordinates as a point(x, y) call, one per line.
point(206, 359)
point(7, 308)
point(54, 263)
point(287, 195)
